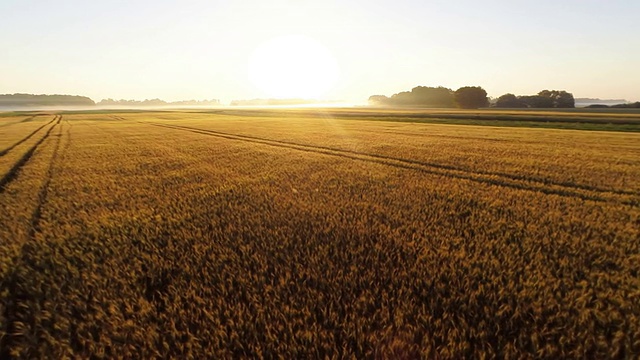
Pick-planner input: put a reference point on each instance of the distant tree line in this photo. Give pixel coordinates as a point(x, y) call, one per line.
point(46, 100)
point(27, 100)
point(544, 99)
point(156, 102)
point(436, 97)
point(418, 96)
point(472, 97)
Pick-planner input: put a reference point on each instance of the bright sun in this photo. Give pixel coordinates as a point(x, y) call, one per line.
point(293, 66)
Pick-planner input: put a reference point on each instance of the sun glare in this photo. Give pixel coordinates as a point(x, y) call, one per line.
point(293, 66)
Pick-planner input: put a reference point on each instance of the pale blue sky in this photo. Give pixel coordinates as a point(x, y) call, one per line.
point(200, 49)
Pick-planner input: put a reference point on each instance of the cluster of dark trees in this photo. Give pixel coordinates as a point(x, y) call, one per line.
point(544, 99)
point(471, 97)
point(418, 96)
point(44, 100)
point(157, 102)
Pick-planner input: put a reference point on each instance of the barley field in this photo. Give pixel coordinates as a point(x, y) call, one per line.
point(303, 234)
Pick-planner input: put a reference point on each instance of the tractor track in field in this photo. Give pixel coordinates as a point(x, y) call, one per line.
point(5, 151)
point(511, 181)
point(28, 119)
point(13, 313)
point(509, 175)
point(15, 169)
point(44, 189)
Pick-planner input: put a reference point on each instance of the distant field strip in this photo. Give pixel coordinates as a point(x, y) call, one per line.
point(12, 172)
point(580, 119)
point(588, 117)
point(501, 179)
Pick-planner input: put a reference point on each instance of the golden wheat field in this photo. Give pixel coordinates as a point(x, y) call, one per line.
point(300, 235)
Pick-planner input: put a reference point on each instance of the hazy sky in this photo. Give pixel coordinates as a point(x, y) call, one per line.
point(196, 49)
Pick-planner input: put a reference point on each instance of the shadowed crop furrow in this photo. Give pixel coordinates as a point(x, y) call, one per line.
point(13, 172)
point(435, 169)
point(5, 151)
point(42, 195)
point(12, 311)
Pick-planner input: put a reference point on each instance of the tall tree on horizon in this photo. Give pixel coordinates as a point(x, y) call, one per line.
point(471, 97)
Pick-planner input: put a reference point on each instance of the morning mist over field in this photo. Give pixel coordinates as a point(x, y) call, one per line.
point(332, 50)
